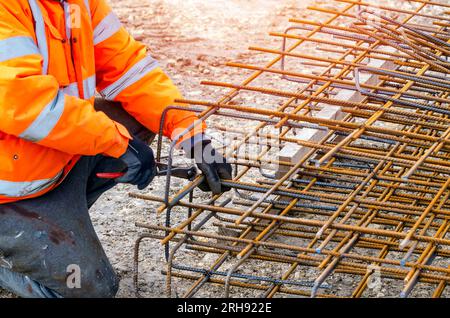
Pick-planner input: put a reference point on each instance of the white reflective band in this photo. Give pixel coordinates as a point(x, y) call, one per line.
point(68, 18)
point(89, 85)
point(17, 47)
point(46, 121)
point(88, 7)
point(137, 72)
point(109, 26)
point(71, 90)
point(40, 33)
point(23, 189)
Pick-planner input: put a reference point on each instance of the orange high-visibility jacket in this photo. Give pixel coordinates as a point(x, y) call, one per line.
point(54, 56)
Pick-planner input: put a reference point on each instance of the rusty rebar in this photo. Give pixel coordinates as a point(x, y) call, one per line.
point(366, 195)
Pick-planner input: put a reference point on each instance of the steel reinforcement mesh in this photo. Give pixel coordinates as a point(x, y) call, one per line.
point(341, 180)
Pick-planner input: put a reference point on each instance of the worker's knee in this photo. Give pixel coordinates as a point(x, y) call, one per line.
point(59, 249)
point(104, 289)
point(94, 284)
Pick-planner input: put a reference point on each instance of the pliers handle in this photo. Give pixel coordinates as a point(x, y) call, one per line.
point(177, 172)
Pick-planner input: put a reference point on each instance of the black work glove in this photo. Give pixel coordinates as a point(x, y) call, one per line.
point(141, 164)
point(213, 165)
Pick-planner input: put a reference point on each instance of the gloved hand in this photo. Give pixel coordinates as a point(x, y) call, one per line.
point(140, 160)
point(213, 165)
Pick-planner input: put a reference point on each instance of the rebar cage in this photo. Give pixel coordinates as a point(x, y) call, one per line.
point(341, 164)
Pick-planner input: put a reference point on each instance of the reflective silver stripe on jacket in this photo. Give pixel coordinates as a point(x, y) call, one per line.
point(68, 18)
point(88, 8)
point(88, 87)
point(137, 72)
point(23, 189)
point(109, 26)
point(46, 121)
point(18, 46)
point(40, 33)
point(71, 90)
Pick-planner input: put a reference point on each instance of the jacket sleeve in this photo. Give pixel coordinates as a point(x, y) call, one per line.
point(33, 107)
point(128, 74)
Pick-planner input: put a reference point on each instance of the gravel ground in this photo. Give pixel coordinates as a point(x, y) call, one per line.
point(192, 39)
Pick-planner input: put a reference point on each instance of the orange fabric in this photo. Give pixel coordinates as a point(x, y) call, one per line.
point(33, 149)
point(147, 98)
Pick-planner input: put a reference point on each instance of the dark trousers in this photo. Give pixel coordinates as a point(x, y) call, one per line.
point(48, 245)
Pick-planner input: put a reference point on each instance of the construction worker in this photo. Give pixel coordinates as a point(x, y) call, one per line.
point(54, 139)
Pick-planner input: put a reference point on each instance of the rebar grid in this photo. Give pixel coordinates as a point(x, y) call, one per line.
point(365, 205)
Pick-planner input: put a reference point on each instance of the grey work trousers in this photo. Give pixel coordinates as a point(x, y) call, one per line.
point(48, 245)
